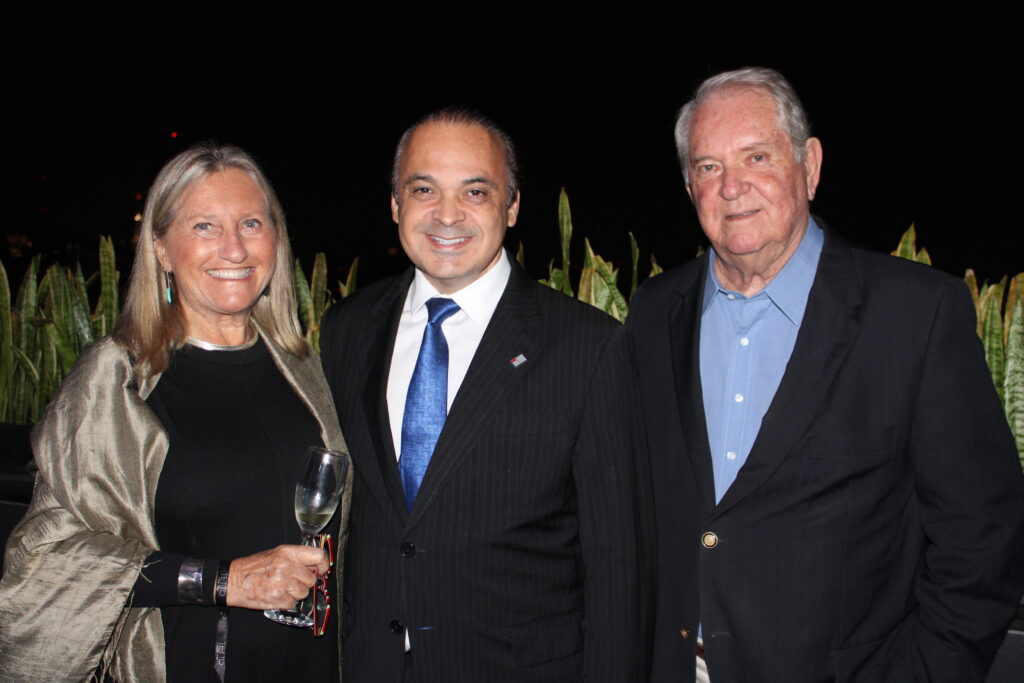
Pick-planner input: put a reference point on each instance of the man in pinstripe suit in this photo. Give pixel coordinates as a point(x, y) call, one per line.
point(517, 555)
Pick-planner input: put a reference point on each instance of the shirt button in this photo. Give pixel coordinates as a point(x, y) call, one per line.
point(708, 540)
point(738, 398)
point(730, 297)
point(744, 341)
point(397, 627)
point(731, 455)
point(408, 549)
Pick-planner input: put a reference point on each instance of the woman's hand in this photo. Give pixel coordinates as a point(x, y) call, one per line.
point(274, 579)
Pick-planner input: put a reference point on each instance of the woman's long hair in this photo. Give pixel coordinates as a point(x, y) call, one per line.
point(150, 328)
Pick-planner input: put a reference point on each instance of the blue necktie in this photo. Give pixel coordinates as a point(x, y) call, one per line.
point(426, 404)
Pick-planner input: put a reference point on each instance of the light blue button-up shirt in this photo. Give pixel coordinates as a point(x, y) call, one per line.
point(745, 344)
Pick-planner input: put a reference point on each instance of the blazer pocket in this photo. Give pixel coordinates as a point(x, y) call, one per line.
point(868, 446)
point(882, 660)
point(546, 639)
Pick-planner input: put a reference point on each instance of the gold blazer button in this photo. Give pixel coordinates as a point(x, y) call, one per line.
point(709, 539)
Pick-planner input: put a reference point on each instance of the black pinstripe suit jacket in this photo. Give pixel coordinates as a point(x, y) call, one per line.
point(520, 559)
point(875, 531)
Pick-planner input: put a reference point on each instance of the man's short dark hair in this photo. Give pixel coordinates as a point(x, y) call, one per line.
point(461, 116)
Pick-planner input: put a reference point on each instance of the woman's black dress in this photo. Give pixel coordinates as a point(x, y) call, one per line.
point(238, 435)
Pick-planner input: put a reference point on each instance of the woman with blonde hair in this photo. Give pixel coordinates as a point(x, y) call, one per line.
point(162, 521)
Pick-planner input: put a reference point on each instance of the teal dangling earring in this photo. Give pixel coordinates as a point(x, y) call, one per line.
point(168, 288)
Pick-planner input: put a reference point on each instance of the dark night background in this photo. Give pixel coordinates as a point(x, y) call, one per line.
point(928, 137)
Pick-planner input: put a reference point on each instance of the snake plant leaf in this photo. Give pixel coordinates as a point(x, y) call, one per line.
point(1010, 308)
point(588, 254)
point(616, 306)
point(655, 268)
point(520, 255)
point(616, 303)
point(319, 299)
point(634, 253)
point(585, 291)
point(53, 302)
point(558, 278)
point(318, 288)
point(1013, 384)
point(24, 389)
point(6, 344)
point(564, 229)
point(25, 363)
point(82, 335)
point(350, 279)
point(982, 296)
point(302, 297)
point(78, 285)
point(594, 290)
point(907, 247)
point(28, 303)
point(71, 315)
point(25, 321)
point(61, 309)
point(48, 373)
point(971, 280)
point(546, 281)
point(106, 311)
point(992, 336)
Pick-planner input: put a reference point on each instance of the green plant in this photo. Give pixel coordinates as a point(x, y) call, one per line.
point(313, 297)
point(907, 248)
point(47, 327)
point(48, 323)
point(598, 283)
point(1001, 328)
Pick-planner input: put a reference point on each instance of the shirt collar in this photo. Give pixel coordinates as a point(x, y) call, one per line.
point(789, 289)
point(478, 299)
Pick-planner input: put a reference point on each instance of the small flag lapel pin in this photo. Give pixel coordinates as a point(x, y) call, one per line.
point(518, 360)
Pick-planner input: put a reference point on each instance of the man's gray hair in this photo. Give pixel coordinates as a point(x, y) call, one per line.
point(461, 116)
point(792, 117)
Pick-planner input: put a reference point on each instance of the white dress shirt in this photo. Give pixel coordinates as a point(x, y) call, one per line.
point(463, 332)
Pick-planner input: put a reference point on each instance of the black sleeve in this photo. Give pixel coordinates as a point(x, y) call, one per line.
point(157, 585)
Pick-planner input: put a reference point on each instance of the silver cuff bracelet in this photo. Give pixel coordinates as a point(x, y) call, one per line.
point(190, 583)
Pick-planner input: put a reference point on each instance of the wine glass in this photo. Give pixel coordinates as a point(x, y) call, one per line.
point(316, 498)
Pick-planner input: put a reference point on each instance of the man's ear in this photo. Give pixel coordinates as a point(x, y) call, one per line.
point(513, 210)
point(812, 165)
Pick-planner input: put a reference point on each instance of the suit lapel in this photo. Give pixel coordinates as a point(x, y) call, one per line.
point(514, 329)
point(376, 343)
point(826, 334)
point(684, 332)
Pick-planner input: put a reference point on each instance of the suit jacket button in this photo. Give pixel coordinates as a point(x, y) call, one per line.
point(397, 627)
point(709, 539)
point(684, 633)
point(408, 549)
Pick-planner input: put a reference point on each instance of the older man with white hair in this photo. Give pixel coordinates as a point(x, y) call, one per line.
point(838, 496)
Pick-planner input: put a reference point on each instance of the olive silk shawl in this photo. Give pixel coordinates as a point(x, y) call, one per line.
point(65, 598)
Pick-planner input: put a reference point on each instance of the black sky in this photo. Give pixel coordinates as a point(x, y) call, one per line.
point(927, 137)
